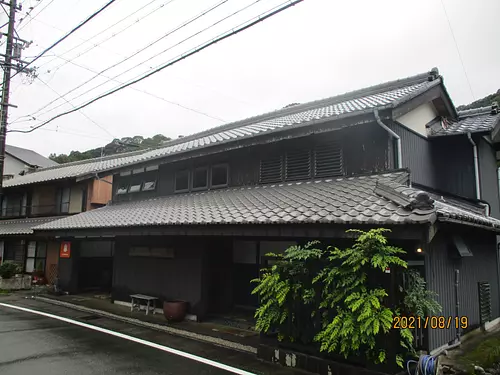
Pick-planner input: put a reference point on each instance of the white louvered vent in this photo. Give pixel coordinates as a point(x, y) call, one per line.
point(328, 160)
point(271, 170)
point(298, 165)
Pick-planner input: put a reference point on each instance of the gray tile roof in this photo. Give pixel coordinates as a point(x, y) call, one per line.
point(297, 115)
point(449, 209)
point(353, 200)
point(29, 157)
point(386, 95)
point(22, 226)
point(72, 170)
point(471, 121)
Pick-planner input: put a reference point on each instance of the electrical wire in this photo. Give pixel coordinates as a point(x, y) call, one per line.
point(66, 36)
point(152, 57)
point(33, 17)
point(170, 32)
point(262, 17)
point(458, 51)
point(81, 112)
point(106, 29)
point(33, 118)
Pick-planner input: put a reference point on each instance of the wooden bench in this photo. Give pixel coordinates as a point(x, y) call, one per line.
point(136, 302)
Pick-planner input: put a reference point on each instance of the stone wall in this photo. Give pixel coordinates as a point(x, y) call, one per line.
point(18, 282)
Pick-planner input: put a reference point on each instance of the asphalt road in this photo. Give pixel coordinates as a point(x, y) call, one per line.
point(30, 343)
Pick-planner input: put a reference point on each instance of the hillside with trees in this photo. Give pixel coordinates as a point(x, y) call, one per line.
point(484, 102)
point(117, 146)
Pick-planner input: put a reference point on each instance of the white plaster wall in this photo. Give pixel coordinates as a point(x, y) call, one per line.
point(13, 166)
point(418, 118)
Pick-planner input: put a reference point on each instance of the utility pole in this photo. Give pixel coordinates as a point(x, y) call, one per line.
point(6, 86)
point(13, 48)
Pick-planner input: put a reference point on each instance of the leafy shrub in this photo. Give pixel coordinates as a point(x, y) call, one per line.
point(9, 269)
point(333, 297)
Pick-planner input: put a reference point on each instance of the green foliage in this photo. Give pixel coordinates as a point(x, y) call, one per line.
point(9, 269)
point(355, 313)
point(117, 146)
point(418, 299)
point(333, 297)
point(287, 294)
point(483, 102)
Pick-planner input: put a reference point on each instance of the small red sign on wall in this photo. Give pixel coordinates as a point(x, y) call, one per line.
point(65, 251)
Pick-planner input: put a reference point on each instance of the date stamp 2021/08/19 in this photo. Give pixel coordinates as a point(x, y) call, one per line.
point(433, 322)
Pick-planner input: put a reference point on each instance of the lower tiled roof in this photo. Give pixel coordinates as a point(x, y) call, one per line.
point(471, 121)
point(447, 210)
point(383, 199)
point(22, 226)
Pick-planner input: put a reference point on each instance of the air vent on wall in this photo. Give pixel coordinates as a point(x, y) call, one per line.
point(271, 170)
point(298, 165)
point(328, 160)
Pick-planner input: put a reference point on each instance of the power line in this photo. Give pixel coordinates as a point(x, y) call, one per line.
point(152, 57)
point(234, 31)
point(106, 29)
point(66, 36)
point(177, 28)
point(458, 51)
point(36, 15)
point(81, 112)
point(74, 133)
point(33, 118)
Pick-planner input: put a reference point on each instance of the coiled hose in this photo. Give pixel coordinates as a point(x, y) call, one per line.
point(426, 365)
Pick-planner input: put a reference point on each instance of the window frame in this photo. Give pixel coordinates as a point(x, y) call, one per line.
point(225, 165)
point(205, 168)
point(36, 258)
point(188, 181)
point(124, 186)
point(60, 203)
point(155, 182)
point(129, 191)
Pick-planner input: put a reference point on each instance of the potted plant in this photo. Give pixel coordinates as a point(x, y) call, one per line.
point(175, 311)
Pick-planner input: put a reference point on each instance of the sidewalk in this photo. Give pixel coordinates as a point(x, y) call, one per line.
point(216, 334)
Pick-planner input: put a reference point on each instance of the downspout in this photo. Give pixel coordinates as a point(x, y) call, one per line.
point(476, 166)
point(393, 135)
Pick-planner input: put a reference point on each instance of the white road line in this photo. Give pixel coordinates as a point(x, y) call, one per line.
point(193, 357)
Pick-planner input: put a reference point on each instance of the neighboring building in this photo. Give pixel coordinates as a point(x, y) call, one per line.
point(193, 220)
point(21, 160)
point(43, 196)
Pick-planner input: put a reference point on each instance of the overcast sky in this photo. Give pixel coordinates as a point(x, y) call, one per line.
point(316, 49)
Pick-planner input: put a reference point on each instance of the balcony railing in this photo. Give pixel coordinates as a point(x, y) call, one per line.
point(34, 211)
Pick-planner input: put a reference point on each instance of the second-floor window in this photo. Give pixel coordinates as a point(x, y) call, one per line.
point(321, 161)
point(202, 178)
point(62, 200)
point(14, 205)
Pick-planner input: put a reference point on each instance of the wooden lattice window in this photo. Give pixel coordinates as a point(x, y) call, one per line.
point(271, 170)
point(328, 160)
point(298, 165)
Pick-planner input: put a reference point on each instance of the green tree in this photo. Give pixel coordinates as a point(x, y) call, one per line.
point(117, 146)
point(334, 297)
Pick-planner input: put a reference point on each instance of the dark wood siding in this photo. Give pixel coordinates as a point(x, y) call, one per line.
point(169, 279)
point(488, 176)
point(453, 162)
point(440, 275)
point(364, 150)
point(417, 155)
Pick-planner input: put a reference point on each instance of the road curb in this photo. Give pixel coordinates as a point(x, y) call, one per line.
point(173, 331)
